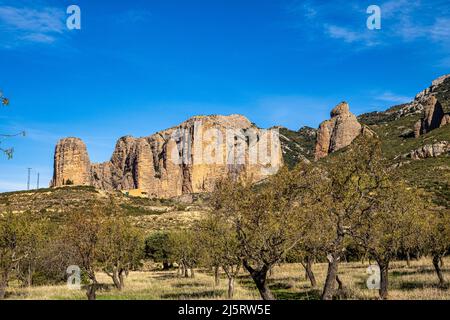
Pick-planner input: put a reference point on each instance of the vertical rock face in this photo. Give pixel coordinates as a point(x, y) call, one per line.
point(338, 132)
point(71, 163)
point(188, 158)
point(434, 117)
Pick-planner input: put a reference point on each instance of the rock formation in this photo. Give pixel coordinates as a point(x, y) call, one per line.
point(438, 88)
point(338, 132)
point(188, 158)
point(433, 118)
point(71, 163)
point(430, 150)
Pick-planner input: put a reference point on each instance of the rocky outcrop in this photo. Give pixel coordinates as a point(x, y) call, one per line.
point(188, 158)
point(439, 88)
point(445, 120)
point(338, 132)
point(71, 163)
point(430, 150)
point(433, 118)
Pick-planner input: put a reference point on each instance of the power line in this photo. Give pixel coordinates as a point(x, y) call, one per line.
point(28, 180)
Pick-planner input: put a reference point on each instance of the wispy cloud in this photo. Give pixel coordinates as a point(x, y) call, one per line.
point(392, 97)
point(402, 21)
point(30, 25)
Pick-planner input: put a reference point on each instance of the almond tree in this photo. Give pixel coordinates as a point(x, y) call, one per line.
point(438, 242)
point(344, 191)
point(397, 217)
point(120, 248)
point(82, 235)
point(186, 249)
point(15, 245)
point(221, 248)
point(265, 220)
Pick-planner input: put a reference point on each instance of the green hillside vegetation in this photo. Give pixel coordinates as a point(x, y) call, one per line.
point(397, 136)
point(297, 144)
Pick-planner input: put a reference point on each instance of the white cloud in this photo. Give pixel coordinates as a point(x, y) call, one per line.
point(31, 25)
point(345, 34)
point(392, 97)
point(402, 21)
point(440, 30)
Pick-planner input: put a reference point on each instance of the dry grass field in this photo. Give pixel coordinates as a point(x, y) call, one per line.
point(287, 282)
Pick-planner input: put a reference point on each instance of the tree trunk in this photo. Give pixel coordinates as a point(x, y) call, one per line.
point(437, 267)
point(91, 291)
point(192, 273)
point(408, 259)
point(230, 287)
point(186, 271)
point(3, 285)
point(333, 261)
point(328, 289)
point(92, 288)
point(118, 278)
point(340, 283)
point(121, 279)
point(115, 278)
point(307, 264)
point(384, 279)
point(216, 276)
point(29, 275)
point(260, 277)
point(166, 265)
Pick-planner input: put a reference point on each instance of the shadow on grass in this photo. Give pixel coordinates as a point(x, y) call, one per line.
point(188, 285)
point(397, 273)
point(312, 294)
point(167, 276)
point(207, 294)
point(412, 285)
point(279, 286)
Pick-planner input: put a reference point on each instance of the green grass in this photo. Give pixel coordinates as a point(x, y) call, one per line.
point(287, 282)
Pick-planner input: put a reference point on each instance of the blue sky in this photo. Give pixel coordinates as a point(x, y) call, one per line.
point(140, 66)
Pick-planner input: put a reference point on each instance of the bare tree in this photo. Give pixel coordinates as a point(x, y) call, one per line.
point(8, 151)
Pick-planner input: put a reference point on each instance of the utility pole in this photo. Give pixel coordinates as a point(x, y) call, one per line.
point(28, 180)
point(37, 184)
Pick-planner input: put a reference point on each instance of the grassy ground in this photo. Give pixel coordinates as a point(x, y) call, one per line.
point(287, 282)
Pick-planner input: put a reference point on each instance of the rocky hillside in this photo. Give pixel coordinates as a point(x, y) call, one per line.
point(297, 145)
point(423, 157)
point(185, 159)
point(415, 139)
point(148, 214)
